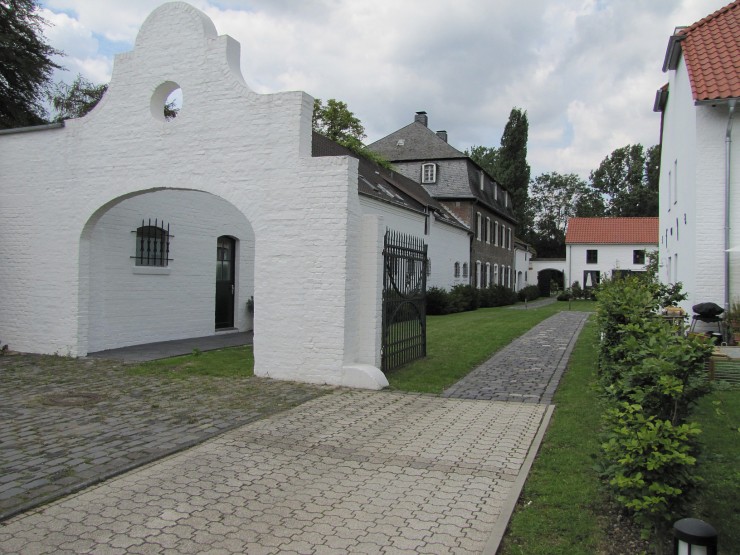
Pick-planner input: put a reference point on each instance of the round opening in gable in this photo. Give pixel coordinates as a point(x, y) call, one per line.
point(166, 101)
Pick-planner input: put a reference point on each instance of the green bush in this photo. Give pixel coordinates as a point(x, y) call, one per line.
point(463, 298)
point(565, 295)
point(528, 293)
point(438, 301)
point(650, 378)
point(497, 295)
point(576, 290)
point(652, 466)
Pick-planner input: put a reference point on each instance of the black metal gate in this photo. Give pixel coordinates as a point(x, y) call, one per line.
point(404, 300)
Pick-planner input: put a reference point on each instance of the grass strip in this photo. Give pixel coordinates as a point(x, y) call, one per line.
point(457, 343)
point(233, 362)
point(718, 415)
point(558, 511)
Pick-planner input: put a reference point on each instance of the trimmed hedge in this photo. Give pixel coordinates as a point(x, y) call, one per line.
point(463, 298)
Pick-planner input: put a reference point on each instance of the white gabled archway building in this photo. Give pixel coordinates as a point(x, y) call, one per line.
point(232, 175)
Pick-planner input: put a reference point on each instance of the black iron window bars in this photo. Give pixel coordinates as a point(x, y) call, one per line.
point(152, 243)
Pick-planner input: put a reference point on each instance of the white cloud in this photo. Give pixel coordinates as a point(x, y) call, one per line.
point(585, 70)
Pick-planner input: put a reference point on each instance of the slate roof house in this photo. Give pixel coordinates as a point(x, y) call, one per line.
point(596, 248)
point(406, 207)
point(465, 189)
point(700, 159)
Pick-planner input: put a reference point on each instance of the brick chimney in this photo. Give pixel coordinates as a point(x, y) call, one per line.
point(442, 135)
point(421, 117)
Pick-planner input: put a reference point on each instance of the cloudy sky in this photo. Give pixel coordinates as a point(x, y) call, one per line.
point(586, 71)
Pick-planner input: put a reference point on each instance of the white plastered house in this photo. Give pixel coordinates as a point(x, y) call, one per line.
point(598, 248)
point(700, 160)
point(117, 227)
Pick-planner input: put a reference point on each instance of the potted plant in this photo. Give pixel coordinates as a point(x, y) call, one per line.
point(733, 320)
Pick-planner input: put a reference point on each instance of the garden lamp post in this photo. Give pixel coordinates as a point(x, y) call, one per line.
point(692, 536)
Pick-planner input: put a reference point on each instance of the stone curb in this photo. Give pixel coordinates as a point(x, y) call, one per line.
point(502, 522)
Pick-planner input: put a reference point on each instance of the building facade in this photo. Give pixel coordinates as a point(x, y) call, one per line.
point(464, 189)
point(700, 160)
point(599, 248)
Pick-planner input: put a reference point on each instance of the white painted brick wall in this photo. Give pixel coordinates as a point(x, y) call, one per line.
point(447, 244)
point(694, 141)
point(130, 306)
point(610, 257)
point(251, 150)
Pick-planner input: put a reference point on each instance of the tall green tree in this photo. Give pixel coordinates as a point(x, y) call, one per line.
point(25, 64)
point(628, 179)
point(486, 157)
point(512, 169)
point(554, 199)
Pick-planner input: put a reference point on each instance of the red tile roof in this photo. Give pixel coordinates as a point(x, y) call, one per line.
point(628, 231)
point(711, 50)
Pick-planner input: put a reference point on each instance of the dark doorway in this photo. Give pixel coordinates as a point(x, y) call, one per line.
point(225, 282)
point(550, 280)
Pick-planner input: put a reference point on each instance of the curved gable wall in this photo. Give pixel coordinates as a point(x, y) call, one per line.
point(252, 150)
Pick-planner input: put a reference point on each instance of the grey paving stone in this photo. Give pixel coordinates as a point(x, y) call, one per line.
point(352, 471)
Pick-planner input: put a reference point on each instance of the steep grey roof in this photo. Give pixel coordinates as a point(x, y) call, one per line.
point(414, 142)
point(458, 175)
point(387, 185)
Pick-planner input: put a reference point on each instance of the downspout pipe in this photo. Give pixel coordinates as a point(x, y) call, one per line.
point(728, 150)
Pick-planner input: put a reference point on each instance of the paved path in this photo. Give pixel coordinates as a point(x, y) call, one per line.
point(529, 368)
point(348, 472)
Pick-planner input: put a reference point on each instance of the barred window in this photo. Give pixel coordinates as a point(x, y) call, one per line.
point(465, 269)
point(457, 269)
point(152, 244)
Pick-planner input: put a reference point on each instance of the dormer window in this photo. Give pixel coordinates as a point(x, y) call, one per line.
point(429, 173)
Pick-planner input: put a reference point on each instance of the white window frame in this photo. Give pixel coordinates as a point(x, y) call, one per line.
point(488, 230)
point(429, 172)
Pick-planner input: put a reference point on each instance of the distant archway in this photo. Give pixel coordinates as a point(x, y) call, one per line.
point(550, 280)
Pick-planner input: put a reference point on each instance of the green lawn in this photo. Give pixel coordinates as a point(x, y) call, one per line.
point(559, 509)
point(235, 362)
point(457, 343)
point(562, 508)
point(718, 415)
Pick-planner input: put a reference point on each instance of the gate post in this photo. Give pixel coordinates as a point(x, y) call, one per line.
point(371, 290)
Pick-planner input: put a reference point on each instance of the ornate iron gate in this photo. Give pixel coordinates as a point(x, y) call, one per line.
point(404, 300)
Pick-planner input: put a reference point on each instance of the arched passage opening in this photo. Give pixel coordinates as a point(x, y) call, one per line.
point(550, 280)
point(152, 266)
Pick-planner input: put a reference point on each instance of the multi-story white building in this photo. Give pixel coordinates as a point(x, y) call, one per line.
point(700, 159)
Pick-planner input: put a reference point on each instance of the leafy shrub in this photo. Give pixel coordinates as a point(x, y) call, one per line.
point(438, 301)
point(463, 298)
point(576, 290)
point(497, 295)
point(650, 378)
point(652, 465)
point(528, 293)
point(565, 295)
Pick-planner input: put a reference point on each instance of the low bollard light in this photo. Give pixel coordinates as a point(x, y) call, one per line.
point(692, 536)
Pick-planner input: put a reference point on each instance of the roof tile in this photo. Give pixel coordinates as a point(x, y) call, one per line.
point(632, 231)
point(712, 53)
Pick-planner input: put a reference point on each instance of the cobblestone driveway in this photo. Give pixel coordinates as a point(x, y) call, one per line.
point(68, 423)
point(352, 472)
point(346, 472)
